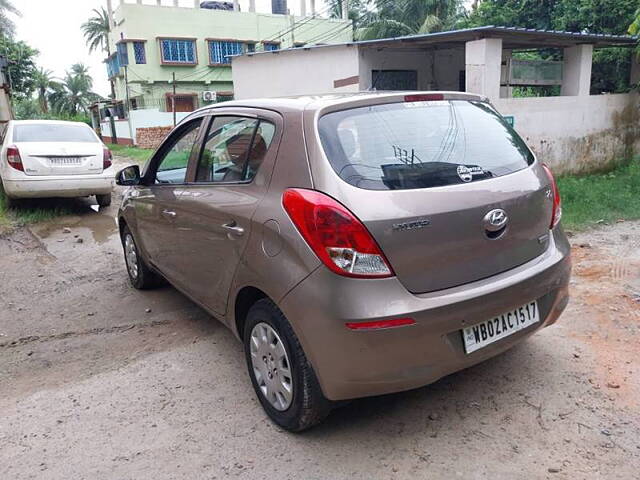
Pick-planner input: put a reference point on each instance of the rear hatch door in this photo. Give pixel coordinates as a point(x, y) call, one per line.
point(448, 190)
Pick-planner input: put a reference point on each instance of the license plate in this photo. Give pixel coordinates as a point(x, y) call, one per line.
point(489, 331)
point(65, 161)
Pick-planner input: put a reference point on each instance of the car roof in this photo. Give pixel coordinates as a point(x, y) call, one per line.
point(321, 101)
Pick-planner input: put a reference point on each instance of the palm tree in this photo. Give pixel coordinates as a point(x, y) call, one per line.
point(7, 27)
point(392, 18)
point(73, 95)
point(44, 84)
point(96, 33)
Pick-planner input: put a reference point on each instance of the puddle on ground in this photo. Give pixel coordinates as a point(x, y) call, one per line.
point(99, 223)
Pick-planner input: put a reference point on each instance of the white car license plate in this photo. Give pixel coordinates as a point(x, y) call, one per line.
point(489, 331)
point(65, 161)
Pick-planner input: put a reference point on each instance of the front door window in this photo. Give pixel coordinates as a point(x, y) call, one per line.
point(173, 167)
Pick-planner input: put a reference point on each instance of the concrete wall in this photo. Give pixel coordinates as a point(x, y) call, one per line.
point(140, 119)
point(295, 72)
point(578, 134)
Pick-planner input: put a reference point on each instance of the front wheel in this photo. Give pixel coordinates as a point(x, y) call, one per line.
point(282, 377)
point(141, 276)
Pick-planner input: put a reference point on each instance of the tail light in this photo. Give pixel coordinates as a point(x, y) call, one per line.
point(14, 159)
point(107, 158)
point(557, 202)
point(335, 235)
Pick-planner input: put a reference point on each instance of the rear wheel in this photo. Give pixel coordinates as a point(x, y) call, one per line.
point(141, 276)
point(104, 200)
point(282, 377)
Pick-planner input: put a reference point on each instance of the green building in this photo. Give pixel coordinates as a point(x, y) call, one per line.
point(194, 45)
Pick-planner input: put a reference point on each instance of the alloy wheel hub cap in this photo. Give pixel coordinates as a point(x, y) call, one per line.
point(271, 367)
point(131, 255)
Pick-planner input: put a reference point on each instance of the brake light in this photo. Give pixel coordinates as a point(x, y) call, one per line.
point(335, 235)
point(14, 159)
point(378, 324)
point(556, 214)
point(107, 158)
point(424, 97)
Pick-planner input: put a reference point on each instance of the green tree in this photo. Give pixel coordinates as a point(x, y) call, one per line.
point(44, 83)
point(22, 67)
point(96, 31)
point(388, 18)
point(7, 27)
point(73, 94)
point(634, 28)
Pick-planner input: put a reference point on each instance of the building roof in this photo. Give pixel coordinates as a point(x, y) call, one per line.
point(512, 38)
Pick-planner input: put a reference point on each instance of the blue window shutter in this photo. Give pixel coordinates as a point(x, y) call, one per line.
point(139, 53)
point(123, 55)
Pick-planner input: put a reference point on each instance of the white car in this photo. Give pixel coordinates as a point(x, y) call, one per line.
point(45, 158)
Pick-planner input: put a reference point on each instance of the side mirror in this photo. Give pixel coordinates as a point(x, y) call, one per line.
point(128, 176)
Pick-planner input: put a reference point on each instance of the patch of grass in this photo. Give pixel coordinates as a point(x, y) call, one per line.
point(135, 154)
point(31, 211)
point(605, 197)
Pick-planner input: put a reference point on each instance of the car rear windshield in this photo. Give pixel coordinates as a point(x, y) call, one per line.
point(52, 133)
point(421, 144)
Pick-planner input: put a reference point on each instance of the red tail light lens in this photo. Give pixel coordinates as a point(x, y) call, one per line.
point(107, 158)
point(556, 214)
point(335, 235)
point(14, 159)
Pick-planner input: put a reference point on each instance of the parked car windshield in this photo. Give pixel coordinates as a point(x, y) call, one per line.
point(421, 144)
point(43, 132)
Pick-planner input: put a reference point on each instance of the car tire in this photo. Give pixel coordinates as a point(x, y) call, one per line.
point(306, 405)
point(104, 200)
point(140, 275)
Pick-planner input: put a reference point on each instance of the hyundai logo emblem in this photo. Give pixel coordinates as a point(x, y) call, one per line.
point(495, 220)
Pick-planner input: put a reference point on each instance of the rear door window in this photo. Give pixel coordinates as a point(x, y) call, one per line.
point(421, 144)
point(42, 132)
point(234, 149)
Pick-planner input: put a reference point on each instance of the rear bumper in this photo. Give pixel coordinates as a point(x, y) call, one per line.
point(351, 364)
point(60, 186)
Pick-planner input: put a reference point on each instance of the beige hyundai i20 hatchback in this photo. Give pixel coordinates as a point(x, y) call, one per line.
point(357, 244)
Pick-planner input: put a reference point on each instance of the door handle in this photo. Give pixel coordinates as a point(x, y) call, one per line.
point(234, 228)
point(169, 213)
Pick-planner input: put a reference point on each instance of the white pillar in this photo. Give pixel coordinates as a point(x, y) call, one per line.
point(576, 70)
point(483, 59)
point(345, 9)
point(303, 8)
point(159, 3)
point(252, 5)
point(313, 7)
point(236, 6)
point(635, 69)
point(175, 3)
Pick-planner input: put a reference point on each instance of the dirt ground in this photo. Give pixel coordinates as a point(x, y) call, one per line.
point(99, 381)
